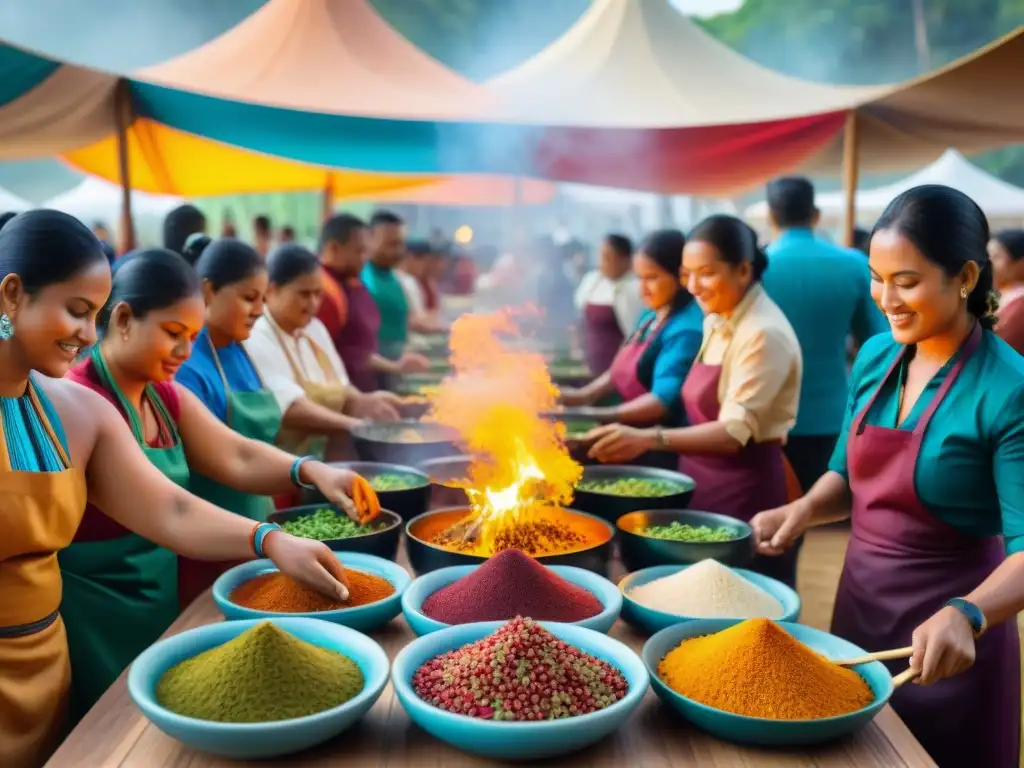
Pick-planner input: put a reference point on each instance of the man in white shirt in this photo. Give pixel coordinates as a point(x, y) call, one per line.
point(609, 299)
point(413, 273)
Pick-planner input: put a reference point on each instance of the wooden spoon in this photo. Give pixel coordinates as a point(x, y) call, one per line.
point(897, 653)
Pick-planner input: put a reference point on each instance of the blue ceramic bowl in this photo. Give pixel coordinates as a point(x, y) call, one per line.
point(249, 741)
point(517, 741)
point(763, 731)
point(429, 583)
point(651, 621)
point(365, 618)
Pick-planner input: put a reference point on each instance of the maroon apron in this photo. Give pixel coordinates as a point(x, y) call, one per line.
point(902, 565)
point(603, 336)
point(357, 342)
point(740, 485)
point(625, 375)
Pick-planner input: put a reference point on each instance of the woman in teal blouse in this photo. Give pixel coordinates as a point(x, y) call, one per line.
point(930, 469)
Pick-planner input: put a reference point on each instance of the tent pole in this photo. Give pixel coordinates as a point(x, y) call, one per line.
point(851, 163)
point(328, 197)
point(123, 117)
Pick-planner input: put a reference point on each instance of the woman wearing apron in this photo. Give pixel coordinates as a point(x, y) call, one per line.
point(651, 365)
point(220, 373)
point(154, 311)
point(741, 393)
point(609, 298)
point(929, 469)
point(349, 311)
point(293, 353)
point(61, 444)
point(1006, 249)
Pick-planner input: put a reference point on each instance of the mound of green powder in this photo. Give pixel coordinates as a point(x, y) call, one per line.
point(264, 674)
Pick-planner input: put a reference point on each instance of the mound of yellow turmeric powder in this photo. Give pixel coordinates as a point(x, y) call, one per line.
point(757, 669)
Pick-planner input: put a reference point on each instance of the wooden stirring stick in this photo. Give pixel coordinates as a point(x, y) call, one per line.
point(904, 677)
point(897, 653)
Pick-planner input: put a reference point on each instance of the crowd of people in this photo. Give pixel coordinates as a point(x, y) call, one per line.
point(151, 409)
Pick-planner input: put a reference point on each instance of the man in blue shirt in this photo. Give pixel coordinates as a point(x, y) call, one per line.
point(825, 292)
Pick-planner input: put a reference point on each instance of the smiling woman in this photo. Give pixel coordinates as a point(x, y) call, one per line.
point(149, 323)
point(928, 466)
point(61, 443)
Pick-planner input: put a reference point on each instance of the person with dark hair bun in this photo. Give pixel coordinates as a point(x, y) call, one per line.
point(62, 445)
point(740, 395)
point(1006, 249)
point(825, 293)
point(609, 300)
point(652, 363)
point(179, 224)
point(148, 324)
point(194, 246)
point(929, 468)
point(348, 309)
point(220, 373)
point(293, 353)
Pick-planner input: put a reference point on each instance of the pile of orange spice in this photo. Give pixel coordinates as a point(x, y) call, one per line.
point(278, 593)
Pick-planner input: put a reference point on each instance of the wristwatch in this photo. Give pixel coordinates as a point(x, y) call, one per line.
point(972, 613)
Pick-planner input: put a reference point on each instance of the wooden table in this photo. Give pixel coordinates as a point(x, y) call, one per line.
point(116, 735)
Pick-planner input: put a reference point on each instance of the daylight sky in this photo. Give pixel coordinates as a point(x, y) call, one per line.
point(707, 7)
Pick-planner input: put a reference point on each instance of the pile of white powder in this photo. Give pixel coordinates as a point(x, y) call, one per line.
point(708, 590)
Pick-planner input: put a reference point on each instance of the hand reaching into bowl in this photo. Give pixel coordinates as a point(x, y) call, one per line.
point(376, 406)
point(618, 444)
point(412, 362)
point(349, 492)
point(308, 562)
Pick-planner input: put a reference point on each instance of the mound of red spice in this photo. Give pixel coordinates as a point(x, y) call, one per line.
point(521, 672)
point(510, 584)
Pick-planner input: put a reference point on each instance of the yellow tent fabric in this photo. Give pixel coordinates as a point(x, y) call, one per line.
point(168, 161)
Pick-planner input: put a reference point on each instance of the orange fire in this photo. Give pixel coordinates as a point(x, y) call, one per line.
point(495, 400)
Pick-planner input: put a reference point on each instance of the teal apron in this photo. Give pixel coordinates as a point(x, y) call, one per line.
point(119, 595)
point(257, 416)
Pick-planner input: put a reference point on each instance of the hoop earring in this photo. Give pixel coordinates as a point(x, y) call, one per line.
point(964, 293)
point(6, 327)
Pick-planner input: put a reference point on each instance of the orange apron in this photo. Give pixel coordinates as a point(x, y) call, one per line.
point(39, 513)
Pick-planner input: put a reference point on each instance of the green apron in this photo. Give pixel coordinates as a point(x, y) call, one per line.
point(257, 416)
point(119, 595)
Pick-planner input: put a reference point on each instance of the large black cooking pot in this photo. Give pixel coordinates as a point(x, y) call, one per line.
point(407, 502)
point(611, 506)
point(403, 442)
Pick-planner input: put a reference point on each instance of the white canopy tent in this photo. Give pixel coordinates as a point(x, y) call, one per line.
point(11, 202)
point(1001, 201)
point(98, 200)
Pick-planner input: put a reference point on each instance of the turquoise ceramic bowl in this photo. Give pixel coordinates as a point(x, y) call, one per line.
point(249, 741)
point(762, 731)
point(429, 583)
point(365, 618)
point(517, 741)
point(651, 621)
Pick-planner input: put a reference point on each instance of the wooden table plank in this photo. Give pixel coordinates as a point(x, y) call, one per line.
point(115, 735)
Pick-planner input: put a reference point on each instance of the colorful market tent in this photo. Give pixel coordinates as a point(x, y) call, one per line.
point(999, 200)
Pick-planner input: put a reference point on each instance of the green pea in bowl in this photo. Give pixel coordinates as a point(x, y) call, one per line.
point(611, 491)
point(330, 525)
point(650, 537)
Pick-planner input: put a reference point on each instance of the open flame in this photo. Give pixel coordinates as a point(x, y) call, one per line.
point(495, 400)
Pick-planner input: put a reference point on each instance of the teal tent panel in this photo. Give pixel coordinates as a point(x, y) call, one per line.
point(20, 72)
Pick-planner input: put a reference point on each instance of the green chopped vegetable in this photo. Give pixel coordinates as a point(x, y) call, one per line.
point(677, 531)
point(395, 481)
point(638, 487)
point(325, 524)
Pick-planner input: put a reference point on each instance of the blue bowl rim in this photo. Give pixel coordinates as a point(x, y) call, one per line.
point(630, 470)
point(636, 692)
point(394, 520)
point(567, 572)
point(466, 509)
point(678, 618)
point(874, 706)
point(725, 520)
point(372, 689)
point(358, 561)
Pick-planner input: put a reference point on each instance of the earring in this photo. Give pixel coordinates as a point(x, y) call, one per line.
point(6, 327)
point(964, 293)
